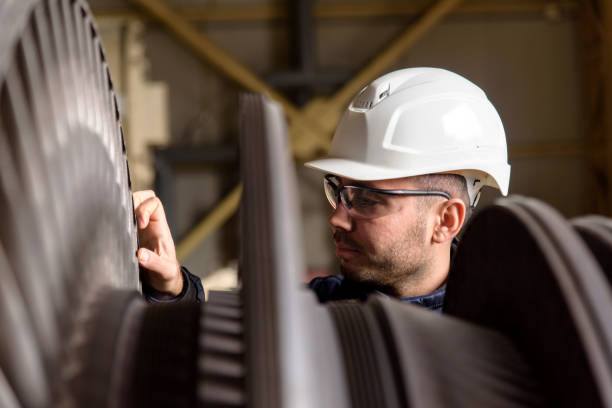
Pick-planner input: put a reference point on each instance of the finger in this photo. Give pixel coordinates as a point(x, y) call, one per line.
point(140, 196)
point(164, 273)
point(162, 267)
point(151, 208)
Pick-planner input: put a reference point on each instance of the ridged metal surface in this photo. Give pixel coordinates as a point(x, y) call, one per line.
point(221, 359)
point(67, 226)
point(290, 340)
point(397, 354)
point(163, 360)
point(523, 271)
point(596, 231)
point(365, 351)
point(446, 362)
point(7, 396)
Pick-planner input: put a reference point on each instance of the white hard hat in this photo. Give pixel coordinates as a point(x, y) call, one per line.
point(419, 121)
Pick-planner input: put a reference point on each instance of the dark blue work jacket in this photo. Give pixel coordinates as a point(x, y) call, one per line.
point(337, 287)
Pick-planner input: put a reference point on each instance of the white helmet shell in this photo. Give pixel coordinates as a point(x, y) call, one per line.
point(419, 121)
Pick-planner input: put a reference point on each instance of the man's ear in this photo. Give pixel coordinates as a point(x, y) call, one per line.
point(450, 217)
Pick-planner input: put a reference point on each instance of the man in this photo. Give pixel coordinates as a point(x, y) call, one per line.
point(406, 166)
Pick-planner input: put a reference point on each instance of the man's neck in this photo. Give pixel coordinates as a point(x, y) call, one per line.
point(432, 276)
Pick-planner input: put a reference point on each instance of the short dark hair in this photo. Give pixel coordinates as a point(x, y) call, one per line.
point(454, 185)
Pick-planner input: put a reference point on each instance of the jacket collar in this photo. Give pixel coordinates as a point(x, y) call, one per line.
point(433, 300)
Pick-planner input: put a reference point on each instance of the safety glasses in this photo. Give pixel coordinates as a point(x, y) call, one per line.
point(366, 202)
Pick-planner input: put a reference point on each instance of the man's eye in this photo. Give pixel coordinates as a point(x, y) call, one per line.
point(363, 202)
point(365, 199)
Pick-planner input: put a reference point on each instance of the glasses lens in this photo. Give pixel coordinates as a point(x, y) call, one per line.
point(365, 203)
point(331, 191)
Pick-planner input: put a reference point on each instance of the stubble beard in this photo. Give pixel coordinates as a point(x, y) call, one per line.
point(396, 265)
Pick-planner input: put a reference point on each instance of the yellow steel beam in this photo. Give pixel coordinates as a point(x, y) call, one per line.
point(345, 10)
point(311, 128)
point(393, 51)
point(209, 51)
point(242, 12)
point(206, 49)
point(327, 112)
point(217, 217)
point(402, 9)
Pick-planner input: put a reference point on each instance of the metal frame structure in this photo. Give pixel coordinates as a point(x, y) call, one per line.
point(345, 10)
point(311, 125)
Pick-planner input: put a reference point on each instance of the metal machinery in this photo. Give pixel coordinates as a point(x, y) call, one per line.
point(67, 230)
point(526, 321)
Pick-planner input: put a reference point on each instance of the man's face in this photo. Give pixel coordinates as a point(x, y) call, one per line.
point(388, 249)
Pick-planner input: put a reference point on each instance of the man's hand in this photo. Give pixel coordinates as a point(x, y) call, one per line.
point(156, 253)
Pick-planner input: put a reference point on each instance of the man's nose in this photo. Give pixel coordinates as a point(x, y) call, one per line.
point(340, 218)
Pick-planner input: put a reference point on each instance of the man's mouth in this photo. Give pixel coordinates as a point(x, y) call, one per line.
point(344, 248)
point(345, 253)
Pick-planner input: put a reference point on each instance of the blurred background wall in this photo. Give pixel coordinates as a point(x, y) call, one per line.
point(541, 63)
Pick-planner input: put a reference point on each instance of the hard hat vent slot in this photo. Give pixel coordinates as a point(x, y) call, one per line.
point(362, 105)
